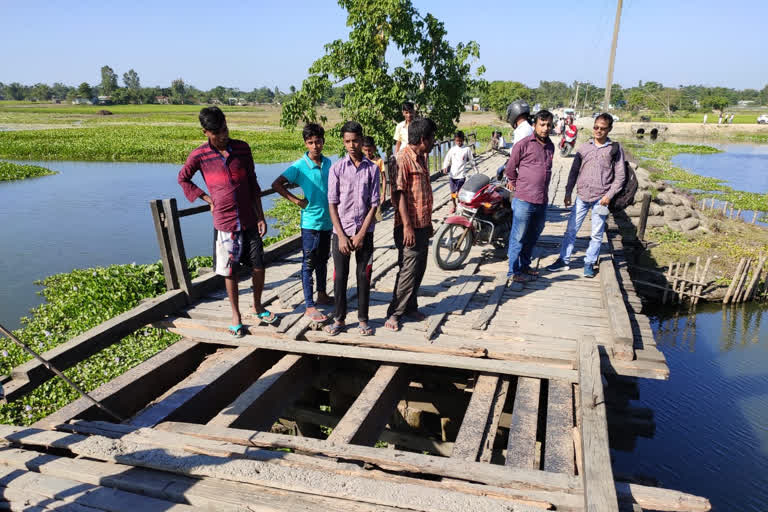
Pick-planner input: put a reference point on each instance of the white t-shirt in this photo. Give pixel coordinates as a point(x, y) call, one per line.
point(458, 158)
point(502, 142)
point(522, 131)
point(401, 133)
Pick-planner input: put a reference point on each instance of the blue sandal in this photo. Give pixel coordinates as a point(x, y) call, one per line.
point(237, 331)
point(334, 329)
point(266, 317)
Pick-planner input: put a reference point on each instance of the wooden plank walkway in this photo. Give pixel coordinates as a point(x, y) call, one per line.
point(493, 402)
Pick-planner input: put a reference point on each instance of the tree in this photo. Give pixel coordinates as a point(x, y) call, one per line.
point(15, 91)
point(500, 94)
point(131, 80)
point(433, 74)
point(84, 90)
point(108, 80)
point(715, 102)
point(552, 94)
point(764, 95)
point(178, 91)
point(41, 92)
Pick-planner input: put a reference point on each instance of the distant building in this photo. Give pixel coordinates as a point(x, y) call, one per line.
point(82, 101)
point(104, 100)
point(744, 103)
point(162, 100)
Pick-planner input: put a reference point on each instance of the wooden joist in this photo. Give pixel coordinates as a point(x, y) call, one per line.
point(472, 433)
point(618, 317)
point(558, 441)
point(260, 405)
point(521, 447)
point(370, 412)
point(500, 284)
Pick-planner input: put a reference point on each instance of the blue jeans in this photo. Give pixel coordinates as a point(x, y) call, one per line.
point(575, 219)
point(527, 224)
point(315, 247)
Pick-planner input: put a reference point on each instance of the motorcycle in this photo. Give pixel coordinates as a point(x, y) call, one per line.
point(568, 140)
point(483, 215)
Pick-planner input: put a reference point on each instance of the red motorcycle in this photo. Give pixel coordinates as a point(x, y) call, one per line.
point(483, 215)
point(568, 140)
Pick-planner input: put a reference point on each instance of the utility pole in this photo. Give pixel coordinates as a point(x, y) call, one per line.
point(609, 82)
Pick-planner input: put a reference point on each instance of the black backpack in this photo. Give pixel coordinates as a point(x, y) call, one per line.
point(626, 196)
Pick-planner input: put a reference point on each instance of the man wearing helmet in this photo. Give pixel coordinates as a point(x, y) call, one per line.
point(518, 113)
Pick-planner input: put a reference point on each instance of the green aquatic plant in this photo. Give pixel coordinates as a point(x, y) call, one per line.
point(10, 171)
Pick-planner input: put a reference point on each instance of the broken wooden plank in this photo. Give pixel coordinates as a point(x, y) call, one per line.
point(558, 441)
point(370, 412)
point(469, 441)
point(489, 310)
point(599, 487)
point(521, 447)
point(499, 399)
point(259, 406)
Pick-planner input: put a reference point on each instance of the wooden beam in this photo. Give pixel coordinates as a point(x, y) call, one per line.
point(599, 487)
point(618, 317)
point(370, 412)
point(158, 217)
point(497, 410)
point(526, 369)
point(135, 388)
point(558, 441)
point(261, 404)
point(447, 302)
point(218, 380)
point(469, 441)
point(178, 254)
point(521, 447)
point(31, 374)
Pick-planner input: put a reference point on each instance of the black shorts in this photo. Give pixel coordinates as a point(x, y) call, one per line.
point(238, 248)
point(456, 184)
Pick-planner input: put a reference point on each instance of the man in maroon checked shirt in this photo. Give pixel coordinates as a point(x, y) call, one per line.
point(234, 195)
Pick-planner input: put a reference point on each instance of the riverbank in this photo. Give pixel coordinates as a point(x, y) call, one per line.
point(11, 172)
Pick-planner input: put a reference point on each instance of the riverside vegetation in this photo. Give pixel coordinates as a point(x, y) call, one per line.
point(10, 171)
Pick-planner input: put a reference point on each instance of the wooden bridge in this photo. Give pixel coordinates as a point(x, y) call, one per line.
point(500, 400)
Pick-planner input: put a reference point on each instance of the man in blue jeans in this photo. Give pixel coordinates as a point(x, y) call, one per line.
point(529, 170)
point(598, 172)
point(310, 172)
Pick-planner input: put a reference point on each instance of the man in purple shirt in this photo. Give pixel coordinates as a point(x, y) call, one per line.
point(235, 198)
point(598, 171)
point(529, 170)
point(353, 196)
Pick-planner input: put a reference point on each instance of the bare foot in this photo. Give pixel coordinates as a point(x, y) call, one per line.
point(315, 315)
point(323, 298)
point(392, 324)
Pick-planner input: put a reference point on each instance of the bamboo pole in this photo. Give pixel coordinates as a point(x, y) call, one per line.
point(738, 213)
point(681, 291)
point(695, 278)
point(674, 282)
point(702, 280)
point(669, 280)
point(725, 207)
point(754, 217)
point(735, 279)
point(750, 290)
point(742, 279)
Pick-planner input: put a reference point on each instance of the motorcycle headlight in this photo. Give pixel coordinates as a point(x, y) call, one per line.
point(465, 196)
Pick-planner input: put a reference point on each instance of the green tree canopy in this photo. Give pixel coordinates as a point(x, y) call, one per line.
point(131, 80)
point(500, 94)
point(179, 91)
point(434, 74)
point(715, 102)
point(84, 90)
point(108, 80)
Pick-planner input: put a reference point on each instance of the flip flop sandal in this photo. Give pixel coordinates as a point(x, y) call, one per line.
point(333, 329)
point(318, 317)
point(396, 329)
point(365, 330)
point(237, 331)
point(266, 317)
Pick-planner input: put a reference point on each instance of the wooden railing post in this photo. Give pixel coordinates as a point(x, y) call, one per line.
point(644, 210)
point(163, 242)
point(178, 255)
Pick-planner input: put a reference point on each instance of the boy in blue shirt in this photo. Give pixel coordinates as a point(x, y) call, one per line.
point(310, 172)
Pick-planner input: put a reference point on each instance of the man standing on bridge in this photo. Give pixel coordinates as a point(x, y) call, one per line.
point(598, 172)
point(412, 191)
point(234, 196)
point(529, 170)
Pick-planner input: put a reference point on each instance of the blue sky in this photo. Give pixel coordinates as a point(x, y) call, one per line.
point(273, 43)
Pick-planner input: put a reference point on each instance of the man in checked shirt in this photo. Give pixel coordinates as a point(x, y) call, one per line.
point(598, 172)
point(234, 195)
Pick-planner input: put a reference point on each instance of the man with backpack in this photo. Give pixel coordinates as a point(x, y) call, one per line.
point(598, 171)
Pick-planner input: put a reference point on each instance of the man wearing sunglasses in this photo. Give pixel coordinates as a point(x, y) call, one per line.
point(598, 174)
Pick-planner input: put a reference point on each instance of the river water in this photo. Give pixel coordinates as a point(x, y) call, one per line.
point(90, 214)
point(711, 417)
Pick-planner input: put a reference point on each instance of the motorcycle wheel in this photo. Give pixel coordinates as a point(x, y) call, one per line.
point(565, 150)
point(444, 251)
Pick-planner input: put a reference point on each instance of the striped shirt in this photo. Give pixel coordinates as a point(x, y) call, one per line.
point(413, 181)
point(231, 183)
point(599, 174)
